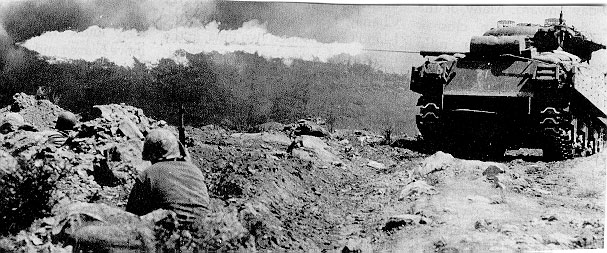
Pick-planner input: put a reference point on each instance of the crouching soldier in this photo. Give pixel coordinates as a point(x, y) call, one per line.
point(172, 182)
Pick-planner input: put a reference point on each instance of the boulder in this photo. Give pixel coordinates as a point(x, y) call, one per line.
point(127, 128)
point(8, 164)
point(487, 225)
point(308, 127)
point(319, 148)
point(492, 171)
point(11, 122)
point(436, 162)
point(416, 188)
point(397, 221)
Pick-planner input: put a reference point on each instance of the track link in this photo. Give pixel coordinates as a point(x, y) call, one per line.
point(556, 124)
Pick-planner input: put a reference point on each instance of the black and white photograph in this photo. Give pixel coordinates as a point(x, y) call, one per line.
point(302, 126)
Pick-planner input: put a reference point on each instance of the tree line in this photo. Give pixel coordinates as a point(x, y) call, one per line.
point(235, 90)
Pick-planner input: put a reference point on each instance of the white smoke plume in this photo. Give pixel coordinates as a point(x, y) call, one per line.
point(150, 46)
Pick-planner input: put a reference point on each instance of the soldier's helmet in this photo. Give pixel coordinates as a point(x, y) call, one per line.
point(66, 121)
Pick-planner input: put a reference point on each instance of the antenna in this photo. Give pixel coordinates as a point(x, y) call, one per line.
point(561, 20)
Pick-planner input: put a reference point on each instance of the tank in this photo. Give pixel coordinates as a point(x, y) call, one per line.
point(520, 86)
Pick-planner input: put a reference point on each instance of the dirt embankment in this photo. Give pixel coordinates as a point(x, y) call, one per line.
point(298, 188)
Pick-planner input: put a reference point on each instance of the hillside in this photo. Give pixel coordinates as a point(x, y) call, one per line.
point(234, 90)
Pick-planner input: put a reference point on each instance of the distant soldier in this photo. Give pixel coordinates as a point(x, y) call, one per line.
point(41, 93)
point(171, 183)
point(296, 141)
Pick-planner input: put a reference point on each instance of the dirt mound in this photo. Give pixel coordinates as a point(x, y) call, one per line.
point(40, 113)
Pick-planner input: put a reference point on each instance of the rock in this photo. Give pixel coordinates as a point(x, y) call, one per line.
point(376, 165)
point(21, 101)
point(130, 130)
point(397, 221)
point(308, 127)
point(486, 225)
point(435, 162)
point(11, 122)
point(492, 171)
point(425, 220)
point(117, 113)
point(320, 148)
point(344, 142)
point(357, 245)
point(416, 188)
point(585, 239)
point(548, 217)
point(8, 164)
point(559, 239)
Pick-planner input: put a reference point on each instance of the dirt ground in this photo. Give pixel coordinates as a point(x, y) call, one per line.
point(339, 192)
point(351, 191)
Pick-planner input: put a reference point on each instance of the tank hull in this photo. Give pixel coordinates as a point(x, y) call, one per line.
point(483, 108)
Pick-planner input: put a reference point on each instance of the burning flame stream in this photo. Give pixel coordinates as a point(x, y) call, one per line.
point(121, 47)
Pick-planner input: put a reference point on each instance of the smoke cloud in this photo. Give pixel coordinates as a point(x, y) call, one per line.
point(148, 30)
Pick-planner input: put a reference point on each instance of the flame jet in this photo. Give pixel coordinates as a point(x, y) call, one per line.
point(123, 46)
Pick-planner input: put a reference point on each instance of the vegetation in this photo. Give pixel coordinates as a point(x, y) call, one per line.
point(26, 188)
point(235, 90)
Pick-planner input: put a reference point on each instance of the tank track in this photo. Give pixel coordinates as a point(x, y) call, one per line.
point(430, 125)
point(556, 128)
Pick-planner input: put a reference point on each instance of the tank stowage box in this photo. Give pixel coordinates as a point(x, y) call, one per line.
point(519, 86)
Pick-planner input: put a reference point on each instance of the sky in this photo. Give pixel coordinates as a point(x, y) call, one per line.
point(388, 27)
point(449, 28)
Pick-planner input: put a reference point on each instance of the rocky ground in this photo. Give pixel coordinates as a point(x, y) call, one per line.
point(298, 188)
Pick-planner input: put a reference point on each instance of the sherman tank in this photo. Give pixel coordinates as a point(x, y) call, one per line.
point(519, 86)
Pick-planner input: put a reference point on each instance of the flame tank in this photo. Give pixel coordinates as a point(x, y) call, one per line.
point(520, 86)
